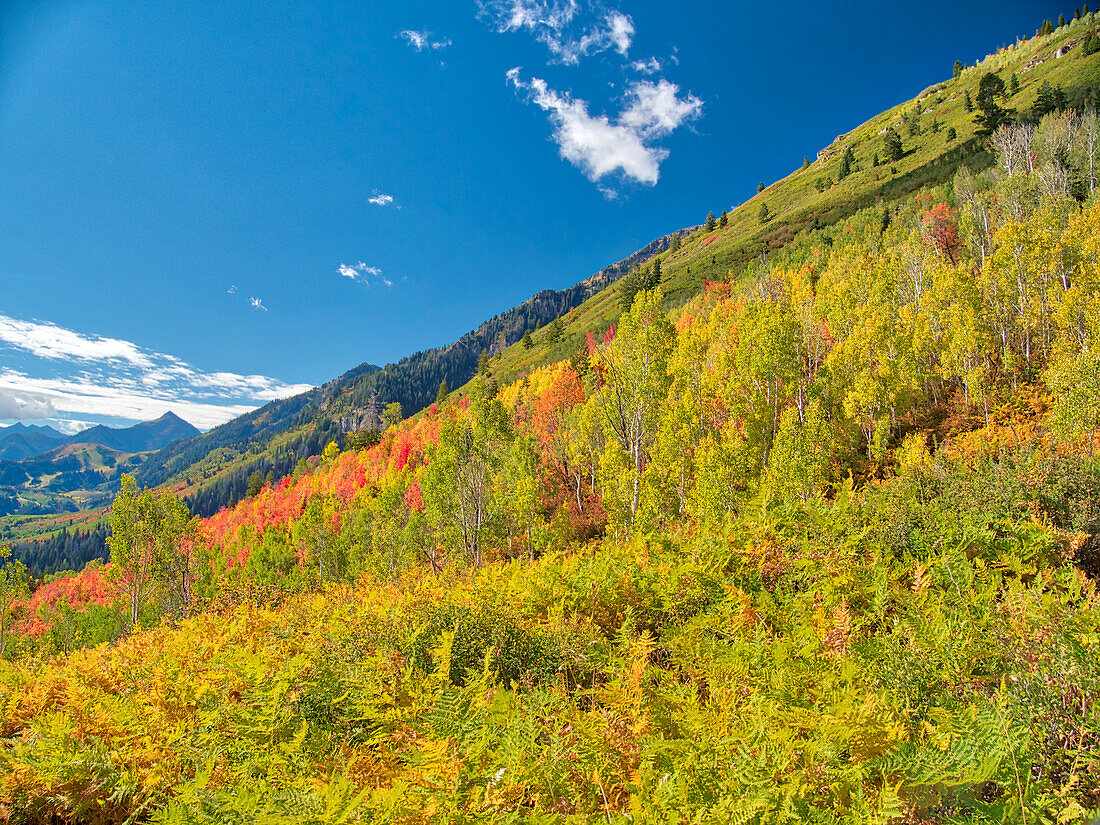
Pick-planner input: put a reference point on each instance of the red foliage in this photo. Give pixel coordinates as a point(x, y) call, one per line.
point(402, 457)
point(940, 229)
point(710, 240)
point(609, 335)
point(90, 586)
point(590, 343)
point(234, 531)
point(720, 287)
point(414, 500)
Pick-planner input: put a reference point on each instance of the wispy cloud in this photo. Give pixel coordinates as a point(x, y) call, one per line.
point(601, 147)
point(560, 26)
point(363, 274)
point(381, 199)
point(63, 373)
point(232, 290)
point(258, 304)
point(50, 341)
point(421, 40)
point(650, 66)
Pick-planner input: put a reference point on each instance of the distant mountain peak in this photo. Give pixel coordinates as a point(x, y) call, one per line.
point(171, 416)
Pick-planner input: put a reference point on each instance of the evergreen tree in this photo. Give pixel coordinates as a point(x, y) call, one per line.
point(555, 331)
point(724, 220)
point(951, 134)
point(912, 121)
point(710, 224)
point(483, 362)
point(674, 244)
point(1046, 28)
point(967, 102)
point(1061, 20)
point(847, 161)
point(760, 187)
point(255, 484)
point(1076, 14)
point(527, 340)
point(1048, 99)
point(884, 221)
point(805, 163)
point(362, 439)
point(765, 213)
point(991, 114)
point(629, 287)
point(958, 69)
point(875, 161)
point(1013, 85)
point(656, 277)
point(444, 391)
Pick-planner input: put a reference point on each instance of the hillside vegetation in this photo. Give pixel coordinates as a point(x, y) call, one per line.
point(816, 542)
point(938, 137)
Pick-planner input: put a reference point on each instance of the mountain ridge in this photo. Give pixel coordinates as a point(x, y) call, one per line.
point(20, 441)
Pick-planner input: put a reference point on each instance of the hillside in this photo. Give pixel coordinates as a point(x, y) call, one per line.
point(796, 202)
point(843, 568)
point(214, 467)
point(22, 441)
point(54, 473)
point(817, 542)
point(816, 196)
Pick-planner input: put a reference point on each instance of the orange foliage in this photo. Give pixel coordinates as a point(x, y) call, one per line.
point(91, 586)
point(549, 410)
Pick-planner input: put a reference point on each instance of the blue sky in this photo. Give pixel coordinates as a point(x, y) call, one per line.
point(204, 206)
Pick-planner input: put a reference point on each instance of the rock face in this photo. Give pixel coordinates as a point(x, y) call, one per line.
point(356, 422)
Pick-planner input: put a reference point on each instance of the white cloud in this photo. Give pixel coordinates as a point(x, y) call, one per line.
point(510, 15)
point(423, 40)
point(70, 426)
point(87, 398)
point(656, 109)
point(362, 273)
point(381, 199)
point(258, 303)
point(142, 386)
point(559, 27)
point(650, 66)
point(232, 290)
point(621, 31)
point(50, 341)
point(601, 147)
point(24, 406)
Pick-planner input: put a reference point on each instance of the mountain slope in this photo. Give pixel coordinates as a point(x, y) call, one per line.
point(22, 440)
point(215, 466)
point(143, 437)
point(939, 137)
